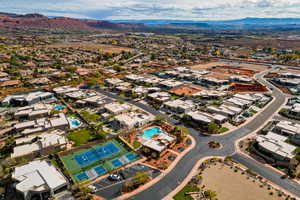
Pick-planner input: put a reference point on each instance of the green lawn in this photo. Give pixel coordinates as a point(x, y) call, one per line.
point(181, 194)
point(81, 136)
point(223, 130)
point(90, 117)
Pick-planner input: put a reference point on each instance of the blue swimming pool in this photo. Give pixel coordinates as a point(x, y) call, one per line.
point(149, 133)
point(58, 107)
point(74, 123)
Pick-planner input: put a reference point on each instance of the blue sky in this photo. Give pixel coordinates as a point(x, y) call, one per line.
point(156, 9)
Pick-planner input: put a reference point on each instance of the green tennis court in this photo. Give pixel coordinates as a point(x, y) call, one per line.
point(88, 164)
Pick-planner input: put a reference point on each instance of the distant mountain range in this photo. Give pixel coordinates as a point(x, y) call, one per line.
point(245, 23)
point(41, 21)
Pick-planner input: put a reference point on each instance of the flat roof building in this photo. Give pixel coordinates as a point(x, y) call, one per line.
point(276, 145)
point(39, 177)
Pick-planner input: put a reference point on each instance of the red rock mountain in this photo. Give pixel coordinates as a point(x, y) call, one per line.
point(41, 21)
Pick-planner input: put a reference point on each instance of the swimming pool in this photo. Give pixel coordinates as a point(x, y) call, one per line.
point(149, 133)
point(74, 123)
point(59, 107)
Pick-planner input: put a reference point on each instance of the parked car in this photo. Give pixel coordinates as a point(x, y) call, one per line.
point(92, 188)
point(114, 177)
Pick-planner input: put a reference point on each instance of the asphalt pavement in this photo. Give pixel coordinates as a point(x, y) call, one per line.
point(169, 182)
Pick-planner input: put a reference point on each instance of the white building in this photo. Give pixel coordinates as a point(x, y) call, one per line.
point(28, 99)
point(132, 120)
point(199, 117)
point(65, 89)
point(117, 108)
point(39, 177)
point(159, 96)
point(276, 145)
point(48, 143)
point(33, 111)
point(180, 106)
point(159, 143)
point(42, 124)
point(169, 84)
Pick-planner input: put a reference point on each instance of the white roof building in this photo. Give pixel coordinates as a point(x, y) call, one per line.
point(117, 108)
point(287, 128)
point(237, 102)
point(38, 176)
point(276, 144)
point(54, 138)
point(159, 143)
point(113, 81)
point(65, 89)
point(160, 96)
point(133, 119)
point(180, 106)
point(170, 83)
point(199, 117)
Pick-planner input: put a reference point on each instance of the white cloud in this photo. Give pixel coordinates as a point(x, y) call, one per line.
point(156, 9)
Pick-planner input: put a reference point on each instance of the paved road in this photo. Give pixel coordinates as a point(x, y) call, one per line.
point(185, 165)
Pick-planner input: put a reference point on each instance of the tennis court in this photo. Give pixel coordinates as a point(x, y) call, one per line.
point(94, 155)
point(88, 164)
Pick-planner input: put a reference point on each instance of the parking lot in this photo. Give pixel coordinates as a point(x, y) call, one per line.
point(110, 189)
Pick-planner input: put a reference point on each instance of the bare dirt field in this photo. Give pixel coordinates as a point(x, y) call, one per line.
point(91, 46)
point(185, 90)
point(231, 185)
point(206, 66)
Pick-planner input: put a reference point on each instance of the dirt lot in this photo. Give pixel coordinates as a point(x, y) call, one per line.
point(231, 185)
point(185, 90)
point(91, 46)
point(206, 66)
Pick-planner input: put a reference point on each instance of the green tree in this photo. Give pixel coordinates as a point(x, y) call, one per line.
point(210, 194)
point(160, 118)
point(213, 127)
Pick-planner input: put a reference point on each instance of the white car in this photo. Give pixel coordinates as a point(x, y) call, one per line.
point(92, 188)
point(115, 177)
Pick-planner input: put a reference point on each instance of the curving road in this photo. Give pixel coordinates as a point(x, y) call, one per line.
point(169, 182)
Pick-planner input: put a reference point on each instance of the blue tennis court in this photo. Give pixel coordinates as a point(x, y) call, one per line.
point(116, 163)
point(131, 157)
point(82, 176)
point(94, 155)
point(100, 170)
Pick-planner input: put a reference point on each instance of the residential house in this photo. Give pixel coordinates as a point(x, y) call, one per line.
point(39, 178)
point(179, 106)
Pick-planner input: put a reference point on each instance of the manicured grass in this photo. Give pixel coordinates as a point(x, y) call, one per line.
point(91, 117)
point(223, 129)
point(81, 136)
point(181, 195)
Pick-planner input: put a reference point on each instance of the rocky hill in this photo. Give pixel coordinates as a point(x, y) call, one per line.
point(41, 21)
